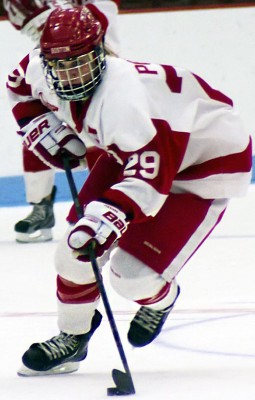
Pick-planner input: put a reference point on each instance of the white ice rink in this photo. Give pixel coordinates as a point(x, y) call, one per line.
point(207, 348)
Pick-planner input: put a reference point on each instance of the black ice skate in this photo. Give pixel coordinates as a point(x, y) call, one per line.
point(36, 227)
point(147, 324)
point(59, 355)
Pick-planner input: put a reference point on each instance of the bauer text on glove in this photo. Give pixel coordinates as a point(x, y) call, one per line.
point(101, 222)
point(48, 137)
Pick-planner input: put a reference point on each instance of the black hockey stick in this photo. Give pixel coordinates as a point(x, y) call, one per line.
point(123, 380)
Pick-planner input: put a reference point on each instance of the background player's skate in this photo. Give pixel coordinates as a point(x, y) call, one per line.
point(37, 226)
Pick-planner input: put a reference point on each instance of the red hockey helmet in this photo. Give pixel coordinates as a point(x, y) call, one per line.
point(72, 52)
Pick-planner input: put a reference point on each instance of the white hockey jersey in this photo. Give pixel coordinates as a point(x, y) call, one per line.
point(166, 127)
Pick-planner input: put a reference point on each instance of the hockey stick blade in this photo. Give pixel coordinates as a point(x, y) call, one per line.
point(123, 382)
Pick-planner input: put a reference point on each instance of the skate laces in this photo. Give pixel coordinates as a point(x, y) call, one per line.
point(38, 213)
point(150, 319)
point(59, 346)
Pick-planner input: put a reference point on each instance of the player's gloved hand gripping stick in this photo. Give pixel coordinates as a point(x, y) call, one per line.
point(123, 380)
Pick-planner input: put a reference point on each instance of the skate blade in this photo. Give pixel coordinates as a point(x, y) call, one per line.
point(66, 368)
point(42, 235)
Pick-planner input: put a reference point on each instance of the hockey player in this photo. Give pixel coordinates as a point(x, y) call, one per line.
point(29, 16)
point(176, 152)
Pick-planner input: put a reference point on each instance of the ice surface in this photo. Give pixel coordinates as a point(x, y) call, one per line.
point(207, 348)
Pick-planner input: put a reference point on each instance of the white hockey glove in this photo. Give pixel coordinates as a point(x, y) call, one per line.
point(48, 138)
point(29, 16)
point(103, 223)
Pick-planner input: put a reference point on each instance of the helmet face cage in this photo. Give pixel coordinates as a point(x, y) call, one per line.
point(76, 78)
